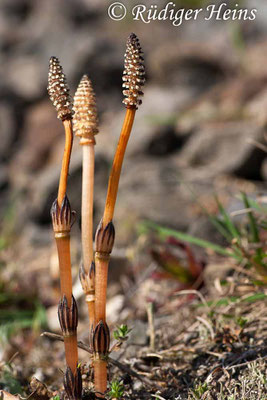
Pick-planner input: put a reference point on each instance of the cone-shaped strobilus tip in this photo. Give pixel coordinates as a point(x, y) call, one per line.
point(134, 72)
point(85, 121)
point(59, 94)
point(58, 90)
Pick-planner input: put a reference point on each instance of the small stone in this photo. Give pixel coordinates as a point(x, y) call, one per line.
point(114, 306)
point(138, 335)
point(52, 319)
point(137, 385)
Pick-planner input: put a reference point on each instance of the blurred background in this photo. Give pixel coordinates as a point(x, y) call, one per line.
point(200, 130)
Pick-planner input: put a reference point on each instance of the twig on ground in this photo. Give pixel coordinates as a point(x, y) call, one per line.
point(157, 396)
point(197, 293)
point(246, 363)
point(85, 347)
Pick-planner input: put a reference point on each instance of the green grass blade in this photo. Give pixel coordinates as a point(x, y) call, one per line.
point(255, 297)
point(219, 225)
point(227, 221)
point(166, 232)
point(225, 301)
point(252, 220)
point(255, 204)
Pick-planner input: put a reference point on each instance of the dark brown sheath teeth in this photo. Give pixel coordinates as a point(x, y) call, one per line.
point(68, 316)
point(73, 384)
point(134, 72)
point(87, 279)
point(61, 216)
point(101, 339)
point(92, 270)
point(85, 120)
point(58, 90)
point(104, 238)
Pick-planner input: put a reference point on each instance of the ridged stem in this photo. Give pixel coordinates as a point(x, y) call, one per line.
point(102, 254)
point(100, 377)
point(101, 259)
point(71, 351)
point(63, 248)
point(87, 205)
point(62, 187)
point(101, 279)
point(70, 342)
point(117, 165)
point(87, 219)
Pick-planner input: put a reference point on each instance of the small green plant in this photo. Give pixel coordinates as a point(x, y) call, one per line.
point(8, 380)
point(116, 390)
point(7, 226)
point(121, 333)
point(199, 390)
point(241, 322)
point(55, 397)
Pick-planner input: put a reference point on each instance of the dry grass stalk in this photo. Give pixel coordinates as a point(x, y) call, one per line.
point(61, 215)
point(133, 78)
point(85, 124)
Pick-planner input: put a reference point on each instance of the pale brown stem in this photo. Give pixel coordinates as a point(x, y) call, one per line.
point(62, 187)
point(87, 219)
point(101, 277)
point(100, 377)
point(117, 164)
point(87, 205)
point(91, 313)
